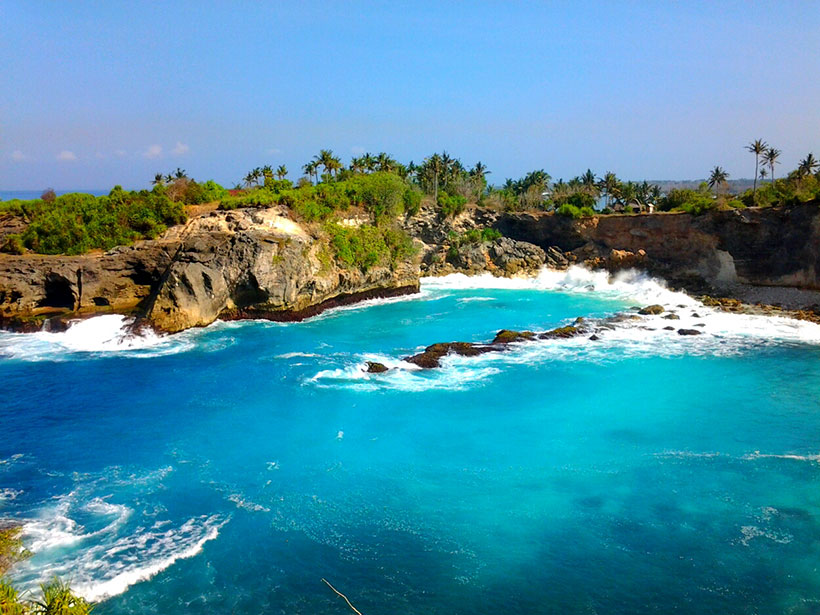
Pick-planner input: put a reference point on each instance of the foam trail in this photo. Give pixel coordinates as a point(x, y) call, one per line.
point(106, 562)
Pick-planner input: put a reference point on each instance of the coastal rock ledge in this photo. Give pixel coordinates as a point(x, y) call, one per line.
point(241, 264)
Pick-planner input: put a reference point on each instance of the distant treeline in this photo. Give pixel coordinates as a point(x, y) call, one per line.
point(384, 189)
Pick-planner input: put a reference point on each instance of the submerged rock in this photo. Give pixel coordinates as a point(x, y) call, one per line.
point(689, 332)
point(652, 309)
point(432, 355)
point(672, 317)
point(505, 336)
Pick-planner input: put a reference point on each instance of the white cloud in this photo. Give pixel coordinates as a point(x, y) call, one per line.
point(274, 151)
point(120, 152)
point(18, 156)
point(153, 151)
point(180, 148)
point(357, 150)
point(66, 155)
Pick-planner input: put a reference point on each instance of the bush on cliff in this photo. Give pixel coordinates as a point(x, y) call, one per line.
point(368, 246)
point(691, 201)
point(571, 211)
point(57, 599)
point(76, 223)
point(450, 205)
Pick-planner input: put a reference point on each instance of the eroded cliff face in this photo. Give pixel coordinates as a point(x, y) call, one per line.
point(767, 247)
point(260, 263)
point(246, 263)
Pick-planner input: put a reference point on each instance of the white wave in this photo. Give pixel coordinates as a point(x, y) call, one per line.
point(140, 557)
point(110, 333)
point(631, 335)
point(627, 284)
point(105, 562)
point(793, 457)
point(7, 494)
point(401, 376)
point(294, 355)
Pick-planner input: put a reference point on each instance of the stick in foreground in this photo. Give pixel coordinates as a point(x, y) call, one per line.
point(355, 610)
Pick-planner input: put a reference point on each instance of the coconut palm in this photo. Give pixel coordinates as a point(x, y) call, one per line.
point(180, 173)
point(757, 147)
point(434, 166)
point(385, 162)
point(310, 169)
point(249, 179)
point(159, 180)
point(327, 160)
point(718, 178)
point(763, 173)
point(281, 172)
point(267, 172)
point(169, 178)
point(807, 166)
point(608, 184)
point(770, 157)
point(478, 173)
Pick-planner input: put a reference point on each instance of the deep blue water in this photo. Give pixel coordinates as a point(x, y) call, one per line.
point(230, 469)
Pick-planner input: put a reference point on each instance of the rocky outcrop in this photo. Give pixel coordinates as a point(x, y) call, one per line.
point(768, 247)
point(245, 263)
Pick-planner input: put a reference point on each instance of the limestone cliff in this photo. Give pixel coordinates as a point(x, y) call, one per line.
point(764, 247)
point(246, 263)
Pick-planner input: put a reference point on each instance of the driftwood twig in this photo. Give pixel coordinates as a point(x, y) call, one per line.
point(355, 610)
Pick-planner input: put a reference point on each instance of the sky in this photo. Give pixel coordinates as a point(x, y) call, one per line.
point(94, 94)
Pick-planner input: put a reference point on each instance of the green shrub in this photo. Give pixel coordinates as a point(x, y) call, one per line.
point(382, 194)
point(450, 205)
point(13, 245)
point(571, 211)
point(311, 210)
point(76, 223)
point(691, 201)
point(367, 246)
point(412, 201)
point(211, 191)
point(11, 548)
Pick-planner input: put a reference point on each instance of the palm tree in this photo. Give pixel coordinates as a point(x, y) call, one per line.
point(385, 162)
point(609, 186)
point(718, 178)
point(169, 178)
point(310, 169)
point(281, 171)
point(770, 158)
point(369, 162)
point(180, 173)
point(267, 172)
point(479, 172)
point(435, 165)
point(757, 148)
point(327, 160)
point(249, 179)
point(807, 166)
point(159, 180)
point(763, 173)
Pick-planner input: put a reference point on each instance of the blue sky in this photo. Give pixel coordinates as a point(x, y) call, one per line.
point(100, 93)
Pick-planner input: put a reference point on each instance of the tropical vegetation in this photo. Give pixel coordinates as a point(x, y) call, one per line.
point(383, 189)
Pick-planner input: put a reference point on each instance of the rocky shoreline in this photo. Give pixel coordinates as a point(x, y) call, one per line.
point(263, 263)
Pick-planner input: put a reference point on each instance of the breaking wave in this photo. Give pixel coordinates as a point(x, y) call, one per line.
point(93, 545)
point(630, 335)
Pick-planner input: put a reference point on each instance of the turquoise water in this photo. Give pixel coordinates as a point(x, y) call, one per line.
point(230, 469)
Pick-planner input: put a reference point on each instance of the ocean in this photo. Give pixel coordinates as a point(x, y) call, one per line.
point(231, 469)
point(28, 195)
